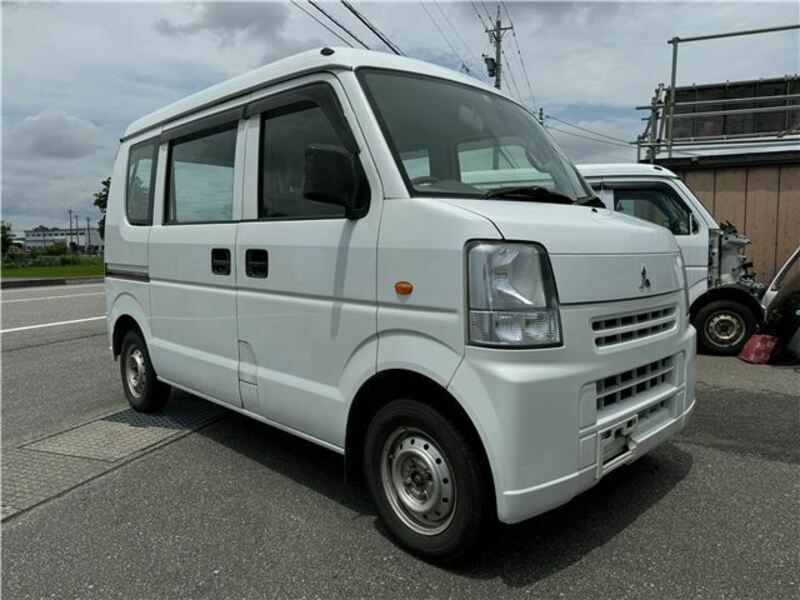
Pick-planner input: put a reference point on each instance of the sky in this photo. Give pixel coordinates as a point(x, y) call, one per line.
point(75, 74)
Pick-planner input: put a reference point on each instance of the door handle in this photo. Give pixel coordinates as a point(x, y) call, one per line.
point(256, 263)
point(220, 261)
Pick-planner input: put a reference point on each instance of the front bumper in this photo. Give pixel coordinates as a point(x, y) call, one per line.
point(546, 435)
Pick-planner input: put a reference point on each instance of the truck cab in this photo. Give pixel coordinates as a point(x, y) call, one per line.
point(722, 291)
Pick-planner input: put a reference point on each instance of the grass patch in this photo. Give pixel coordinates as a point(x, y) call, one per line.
point(83, 270)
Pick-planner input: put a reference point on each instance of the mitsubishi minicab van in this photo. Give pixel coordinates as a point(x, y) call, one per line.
point(396, 262)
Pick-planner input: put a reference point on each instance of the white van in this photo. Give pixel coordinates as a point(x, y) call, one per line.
point(723, 293)
point(311, 244)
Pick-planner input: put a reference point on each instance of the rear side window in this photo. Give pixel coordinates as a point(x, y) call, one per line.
point(200, 171)
point(285, 137)
point(141, 182)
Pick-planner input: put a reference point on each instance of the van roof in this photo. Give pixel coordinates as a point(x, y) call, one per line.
point(321, 59)
point(624, 170)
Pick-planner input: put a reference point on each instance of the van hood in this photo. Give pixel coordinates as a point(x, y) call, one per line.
point(597, 254)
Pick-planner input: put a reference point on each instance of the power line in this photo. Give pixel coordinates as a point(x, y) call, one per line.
point(488, 14)
point(335, 22)
point(477, 12)
point(458, 35)
point(444, 37)
point(519, 54)
point(586, 137)
point(381, 36)
point(511, 75)
point(597, 133)
point(321, 23)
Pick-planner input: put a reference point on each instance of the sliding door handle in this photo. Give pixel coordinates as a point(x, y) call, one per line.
point(256, 263)
point(220, 261)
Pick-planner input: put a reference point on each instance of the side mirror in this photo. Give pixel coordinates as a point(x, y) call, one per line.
point(331, 177)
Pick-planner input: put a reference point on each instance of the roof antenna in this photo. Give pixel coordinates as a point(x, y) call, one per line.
point(326, 51)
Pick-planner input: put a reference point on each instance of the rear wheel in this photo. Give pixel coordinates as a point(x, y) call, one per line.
point(144, 391)
point(427, 481)
point(723, 327)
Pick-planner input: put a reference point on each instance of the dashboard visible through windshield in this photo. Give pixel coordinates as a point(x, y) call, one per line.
point(452, 139)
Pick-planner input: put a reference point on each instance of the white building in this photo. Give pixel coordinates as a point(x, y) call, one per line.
point(42, 236)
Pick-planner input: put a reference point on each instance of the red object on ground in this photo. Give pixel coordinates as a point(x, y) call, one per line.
point(758, 349)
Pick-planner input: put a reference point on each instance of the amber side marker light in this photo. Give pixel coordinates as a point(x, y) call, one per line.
point(403, 288)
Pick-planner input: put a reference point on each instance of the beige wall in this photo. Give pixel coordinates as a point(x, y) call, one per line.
point(763, 202)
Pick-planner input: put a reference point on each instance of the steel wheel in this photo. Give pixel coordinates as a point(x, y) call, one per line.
point(135, 372)
point(418, 481)
point(725, 328)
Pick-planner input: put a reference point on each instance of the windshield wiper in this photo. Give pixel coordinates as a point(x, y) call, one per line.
point(530, 192)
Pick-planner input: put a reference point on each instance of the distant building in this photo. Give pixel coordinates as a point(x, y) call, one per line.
point(41, 237)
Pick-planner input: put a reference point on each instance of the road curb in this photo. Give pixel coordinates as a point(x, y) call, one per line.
point(24, 283)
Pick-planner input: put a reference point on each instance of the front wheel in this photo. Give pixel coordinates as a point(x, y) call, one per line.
point(723, 327)
point(427, 481)
point(144, 391)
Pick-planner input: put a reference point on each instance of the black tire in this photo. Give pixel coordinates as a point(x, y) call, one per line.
point(723, 327)
point(469, 488)
point(147, 393)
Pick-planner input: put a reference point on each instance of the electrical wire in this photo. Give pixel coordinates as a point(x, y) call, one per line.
point(511, 75)
point(335, 22)
point(444, 37)
point(321, 23)
point(381, 36)
point(586, 137)
point(597, 133)
point(458, 35)
point(519, 54)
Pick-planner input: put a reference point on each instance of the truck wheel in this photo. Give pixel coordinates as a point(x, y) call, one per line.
point(144, 391)
point(427, 481)
point(723, 327)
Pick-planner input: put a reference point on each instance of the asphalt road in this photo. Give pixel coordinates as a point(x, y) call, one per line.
point(238, 509)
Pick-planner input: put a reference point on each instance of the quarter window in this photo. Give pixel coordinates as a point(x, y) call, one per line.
point(657, 205)
point(201, 171)
point(286, 135)
point(140, 184)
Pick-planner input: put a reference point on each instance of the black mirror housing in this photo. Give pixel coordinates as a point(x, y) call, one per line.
point(332, 177)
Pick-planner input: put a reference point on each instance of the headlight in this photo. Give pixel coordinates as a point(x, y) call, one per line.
point(512, 296)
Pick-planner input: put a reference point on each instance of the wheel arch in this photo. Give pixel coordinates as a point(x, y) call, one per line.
point(388, 385)
point(126, 314)
point(733, 293)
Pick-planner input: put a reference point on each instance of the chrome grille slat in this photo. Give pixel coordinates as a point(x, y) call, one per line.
point(618, 329)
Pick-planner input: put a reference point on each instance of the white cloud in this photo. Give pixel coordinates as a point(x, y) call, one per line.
point(55, 134)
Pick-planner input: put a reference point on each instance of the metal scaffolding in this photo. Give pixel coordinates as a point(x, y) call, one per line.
point(673, 120)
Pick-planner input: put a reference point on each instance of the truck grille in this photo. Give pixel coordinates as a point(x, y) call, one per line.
point(633, 383)
point(618, 329)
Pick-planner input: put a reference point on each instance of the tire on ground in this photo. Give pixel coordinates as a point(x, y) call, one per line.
point(472, 507)
point(723, 312)
point(145, 393)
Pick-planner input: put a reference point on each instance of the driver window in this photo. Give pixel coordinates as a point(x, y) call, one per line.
point(658, 206)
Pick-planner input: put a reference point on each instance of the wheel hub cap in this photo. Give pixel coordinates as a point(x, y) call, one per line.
point(418, 481)
point(725, 329)
point(135, 371)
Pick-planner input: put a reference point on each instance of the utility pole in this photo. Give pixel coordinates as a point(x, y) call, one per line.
point(77, 231)
point(494, 66)
point(88, 239)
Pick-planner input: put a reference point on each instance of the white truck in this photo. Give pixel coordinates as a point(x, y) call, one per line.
point(724, 295)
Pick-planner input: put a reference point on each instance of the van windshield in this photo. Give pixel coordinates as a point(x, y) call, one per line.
point(456, 140)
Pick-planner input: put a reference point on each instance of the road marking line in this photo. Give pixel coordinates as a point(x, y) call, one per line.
point(53, 297)
point(45, 288)
point(56, 324)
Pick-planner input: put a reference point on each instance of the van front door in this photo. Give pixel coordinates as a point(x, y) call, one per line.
point(192, 264)
point(306, 299)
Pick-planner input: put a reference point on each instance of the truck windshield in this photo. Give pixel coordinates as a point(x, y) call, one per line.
point(456, 140)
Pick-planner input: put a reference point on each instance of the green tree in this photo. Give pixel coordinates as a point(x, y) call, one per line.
point(7, 236)
point(101, 201)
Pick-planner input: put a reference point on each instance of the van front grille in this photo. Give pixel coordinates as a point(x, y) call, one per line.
point(635, 382)
point(618, 329)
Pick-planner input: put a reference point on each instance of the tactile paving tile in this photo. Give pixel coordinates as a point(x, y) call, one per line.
point(124, 433)
point(33, 477)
